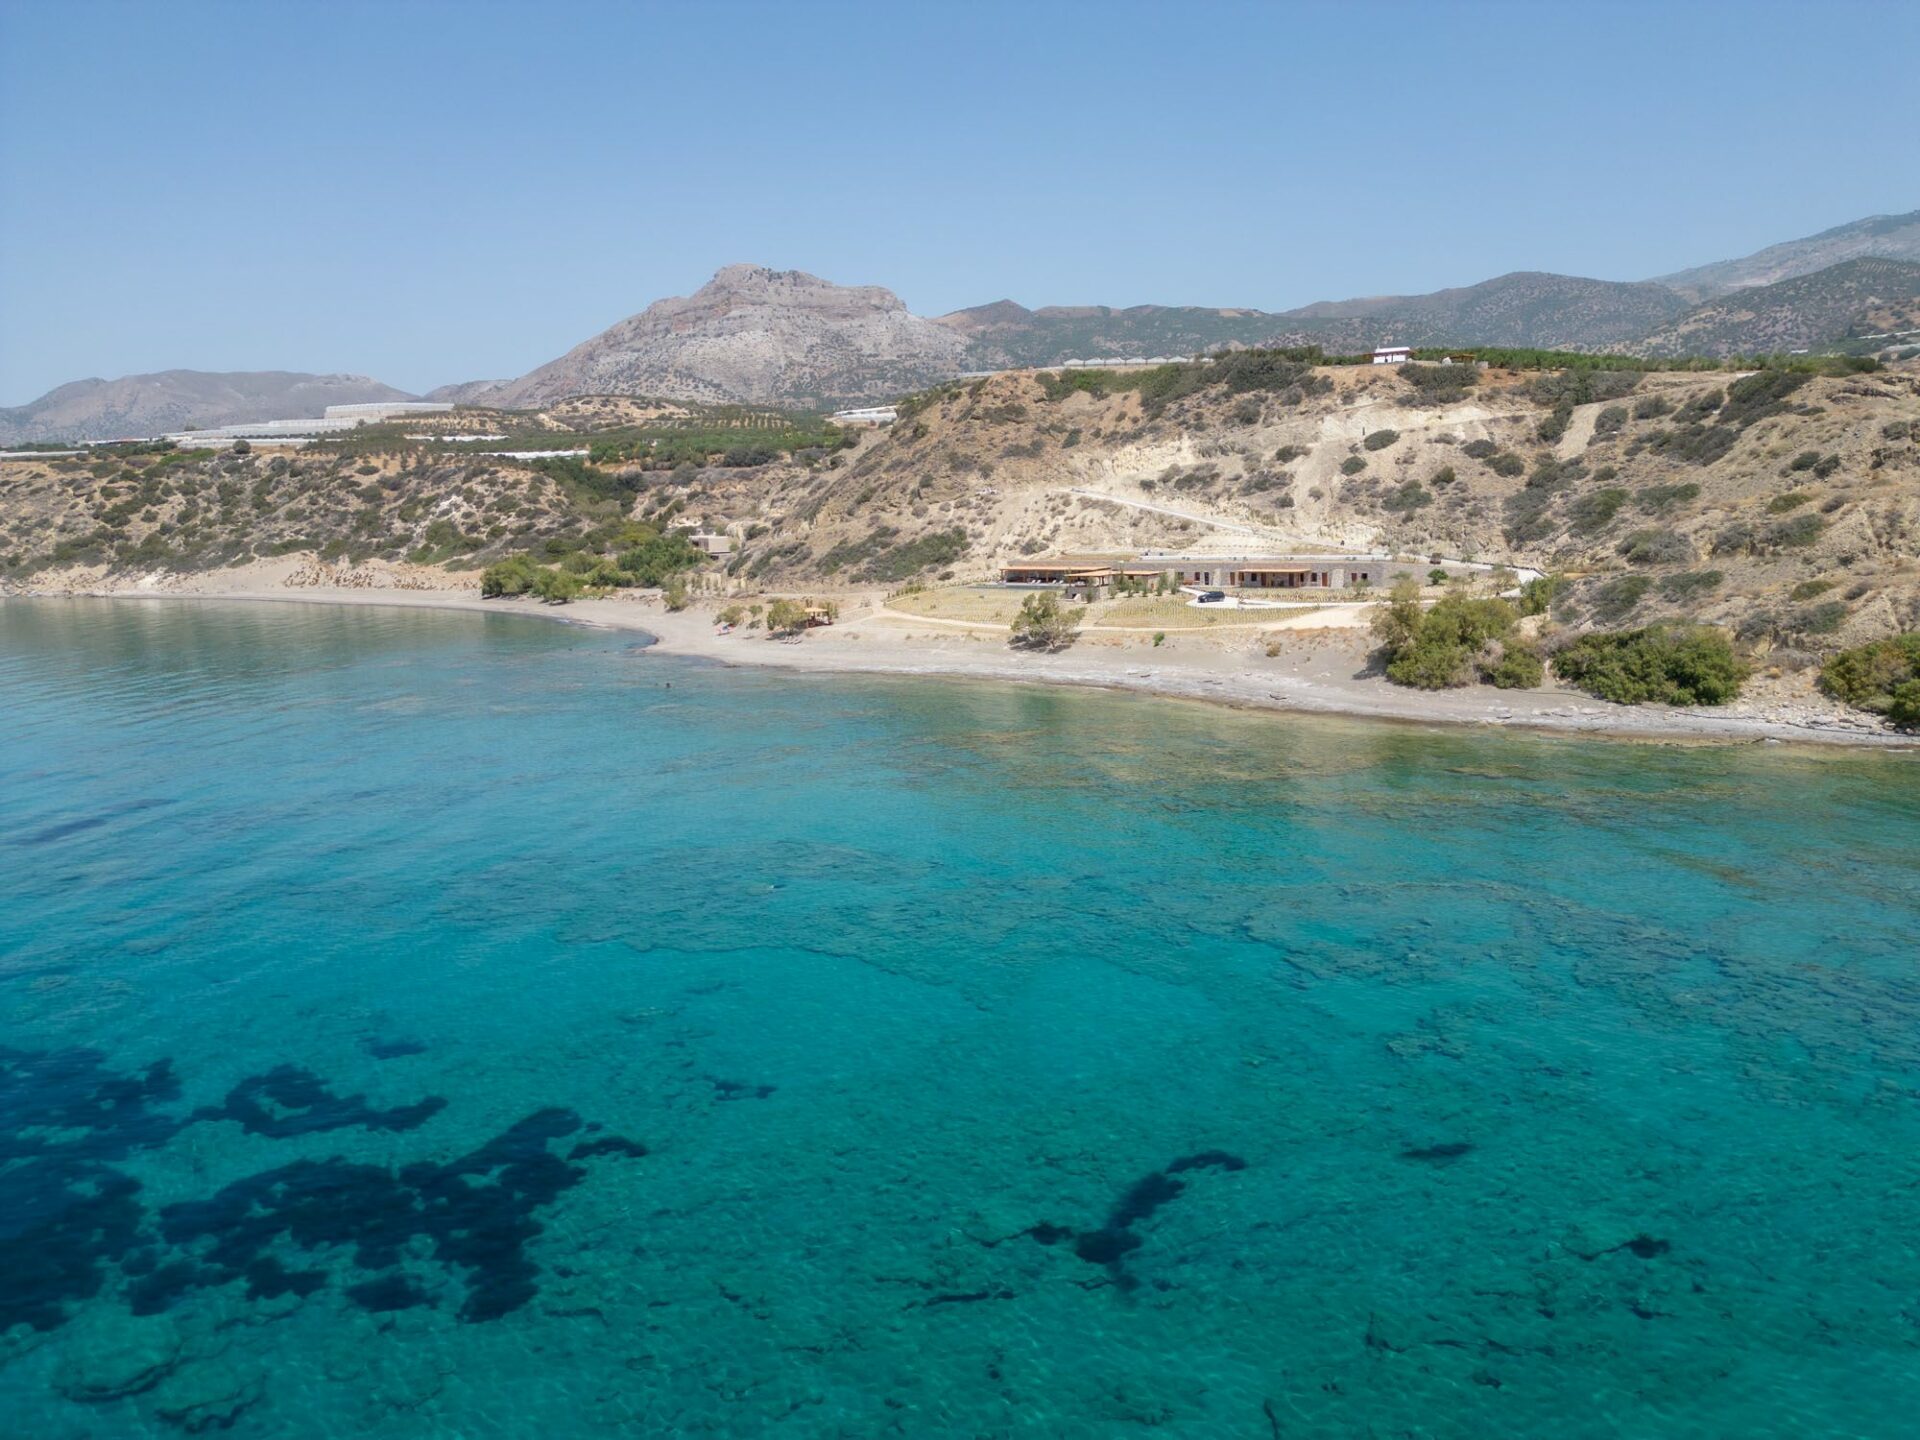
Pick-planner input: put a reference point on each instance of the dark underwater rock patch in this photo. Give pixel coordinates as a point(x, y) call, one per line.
point(1642, 1246)
point(607, 1145)
point(71, 1222)
point(289, 1101)
point(1114, 1241)
point(392, 1049)
point(739, 1090)
point(477, 1211)
point(1447, 1150)
point(67, 1216)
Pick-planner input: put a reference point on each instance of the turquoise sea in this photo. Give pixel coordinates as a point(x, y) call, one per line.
point(423, 1024)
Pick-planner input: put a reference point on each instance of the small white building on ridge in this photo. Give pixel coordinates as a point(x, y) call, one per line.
point(1392, 355)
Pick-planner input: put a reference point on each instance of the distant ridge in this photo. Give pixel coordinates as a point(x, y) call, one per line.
point(761, 336)
point(1808, 312)
point(142, 405)
point(1885, 237)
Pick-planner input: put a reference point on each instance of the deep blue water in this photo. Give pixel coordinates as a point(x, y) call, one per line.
point(440, 1025)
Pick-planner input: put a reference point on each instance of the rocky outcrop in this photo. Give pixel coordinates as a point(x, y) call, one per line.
point(755, 336)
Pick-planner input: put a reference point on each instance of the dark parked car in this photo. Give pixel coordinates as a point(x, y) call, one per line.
point(1212, 597)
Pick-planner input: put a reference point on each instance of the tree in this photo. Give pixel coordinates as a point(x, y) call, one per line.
point(786, 617)
point(556, 587)
point(1043, 625)
point(1397, 621)
point(674, 593)
point(508, 577)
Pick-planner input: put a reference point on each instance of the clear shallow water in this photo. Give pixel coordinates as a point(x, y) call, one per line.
point(1006, 1062)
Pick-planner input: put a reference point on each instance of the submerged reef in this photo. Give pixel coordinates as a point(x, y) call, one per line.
point(71, 1222)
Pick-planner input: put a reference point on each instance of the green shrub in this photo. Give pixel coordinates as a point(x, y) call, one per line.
point(1671, 663)
point(1438, 384)
point(1792, 500)
point(1520, 667)
point(1655, 547)
point(1883, 677)
point(1610, 420)
point(1810, 589)
point(1443, 477)
point(1805, 460)
point(1822, 619)
point(1352, 465)
point(1480, 449)
point(1409, 496)
point(1794, 534)
point(1616, 599)
point(1690, 583)
point(1903, 708)
point(1455, 642)
point(658, 558)
point(1537, 596)
point(1659, 499)
point(1508, 464)
point(1380, 439)
point(1595, 510)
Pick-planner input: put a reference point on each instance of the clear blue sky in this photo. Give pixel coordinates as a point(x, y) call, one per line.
point(431, 192)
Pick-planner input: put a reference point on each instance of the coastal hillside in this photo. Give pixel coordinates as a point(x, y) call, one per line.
point(1782, 504)
point(142, 405)
point(1824, 311)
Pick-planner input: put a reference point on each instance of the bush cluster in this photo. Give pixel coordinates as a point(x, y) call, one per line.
point(1671, 663)
point(1882, 677)
point(1457, 641)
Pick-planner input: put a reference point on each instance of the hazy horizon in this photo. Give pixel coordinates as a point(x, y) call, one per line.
point(433, 194)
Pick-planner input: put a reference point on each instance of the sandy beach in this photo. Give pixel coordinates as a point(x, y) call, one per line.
point(1319, 664)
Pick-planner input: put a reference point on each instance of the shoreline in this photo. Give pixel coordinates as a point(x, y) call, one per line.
point(1320, 673)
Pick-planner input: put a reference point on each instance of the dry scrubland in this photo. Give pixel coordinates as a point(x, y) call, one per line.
point(1783, 506)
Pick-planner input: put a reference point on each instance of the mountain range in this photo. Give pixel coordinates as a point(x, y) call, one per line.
point(143, 405)
point(754, 335)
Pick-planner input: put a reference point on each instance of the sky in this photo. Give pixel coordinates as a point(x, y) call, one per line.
point(430, 192)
